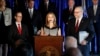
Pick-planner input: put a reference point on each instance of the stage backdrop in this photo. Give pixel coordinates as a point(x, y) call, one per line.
point(61, 5)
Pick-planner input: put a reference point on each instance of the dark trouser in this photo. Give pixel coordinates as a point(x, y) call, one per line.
point(3, 49)
point(97, 33)
point(85, 50)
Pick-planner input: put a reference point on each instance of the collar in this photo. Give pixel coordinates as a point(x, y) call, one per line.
point(31, 9)
point(79, 19)
point(18, 23)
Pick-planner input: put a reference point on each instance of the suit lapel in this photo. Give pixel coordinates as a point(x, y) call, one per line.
point(16, 29)
point(73, 24)
point(22, 28)
point(33, 13)
point(97, 10)
point(81, 24)
point(28, 12)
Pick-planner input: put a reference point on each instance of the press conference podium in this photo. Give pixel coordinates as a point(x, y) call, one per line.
point(48, 45)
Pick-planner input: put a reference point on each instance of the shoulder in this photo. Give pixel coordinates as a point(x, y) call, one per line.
point(98, 6)
point(24, 25)
point(66, 9)
point(90, 7)
point(87, 20)
point(12, 26)
point(71, 20)
point(9, 9)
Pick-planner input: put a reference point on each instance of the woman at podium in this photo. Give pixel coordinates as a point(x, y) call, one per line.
point(50, 28)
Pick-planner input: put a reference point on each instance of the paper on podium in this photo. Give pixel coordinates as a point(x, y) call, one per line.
point(82, 35)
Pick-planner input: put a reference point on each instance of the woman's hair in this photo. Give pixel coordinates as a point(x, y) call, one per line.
point(54, 22)
point(73, 52)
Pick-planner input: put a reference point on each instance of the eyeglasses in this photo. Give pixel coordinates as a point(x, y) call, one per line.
point(77, 11)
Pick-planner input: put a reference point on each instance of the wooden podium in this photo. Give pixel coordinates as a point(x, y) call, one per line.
point(48, 45)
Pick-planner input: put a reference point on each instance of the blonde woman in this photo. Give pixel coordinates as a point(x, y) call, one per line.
point(50, 28)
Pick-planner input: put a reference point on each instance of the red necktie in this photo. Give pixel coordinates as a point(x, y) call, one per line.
point(19, 29)
point(76, 26)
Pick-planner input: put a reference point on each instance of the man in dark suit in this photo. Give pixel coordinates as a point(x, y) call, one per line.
point(19, 5)
point(94, 15)
point(32, 18)
point(45, 7)
point(79, 24)
point(68, 13)
point(18, 36)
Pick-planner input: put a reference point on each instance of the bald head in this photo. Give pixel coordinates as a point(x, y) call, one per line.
point(71, 42)
point(78, 12)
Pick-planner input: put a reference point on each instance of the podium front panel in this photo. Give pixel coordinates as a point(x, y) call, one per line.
point(48, 45)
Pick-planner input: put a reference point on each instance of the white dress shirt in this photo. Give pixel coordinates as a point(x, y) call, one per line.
point(30, 11)
point(79, 20)
point(95, 9)
point(17, 24)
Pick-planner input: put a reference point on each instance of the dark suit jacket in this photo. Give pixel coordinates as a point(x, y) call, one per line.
point(91, 14)
point(66, 14)
point(14, 35)
point(44, 11)
point(35, 21)
point(85, 25)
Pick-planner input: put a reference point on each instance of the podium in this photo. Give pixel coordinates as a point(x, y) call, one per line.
point(48, 45)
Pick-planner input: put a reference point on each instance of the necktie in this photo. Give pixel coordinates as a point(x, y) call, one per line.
point(19, 29)
point(30, 13)
point(70, 10)
point(95, 9)
point(76, 26)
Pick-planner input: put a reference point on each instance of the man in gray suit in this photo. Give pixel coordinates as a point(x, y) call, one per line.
point(5, 22)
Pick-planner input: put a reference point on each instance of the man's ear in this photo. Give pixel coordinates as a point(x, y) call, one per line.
point(15, 17)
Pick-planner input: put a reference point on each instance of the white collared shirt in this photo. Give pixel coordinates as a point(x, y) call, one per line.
point(95, 9)
point(78, 20)
point(18, 23)
point(71, 8)
point(47, 3)
point(30, 11)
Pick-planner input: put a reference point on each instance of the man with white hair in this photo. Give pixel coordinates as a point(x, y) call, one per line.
point(78, 24)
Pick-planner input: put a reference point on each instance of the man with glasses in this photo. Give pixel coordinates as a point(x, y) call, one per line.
point(79, 24)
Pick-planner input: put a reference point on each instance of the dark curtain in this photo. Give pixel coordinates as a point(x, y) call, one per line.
point(62, 4)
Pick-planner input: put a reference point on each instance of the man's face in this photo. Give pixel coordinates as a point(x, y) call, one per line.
point(95, 2)
point(31, 4)
point(71, 3)
point(78, 13)
point(18, 17)
point(2, 3)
